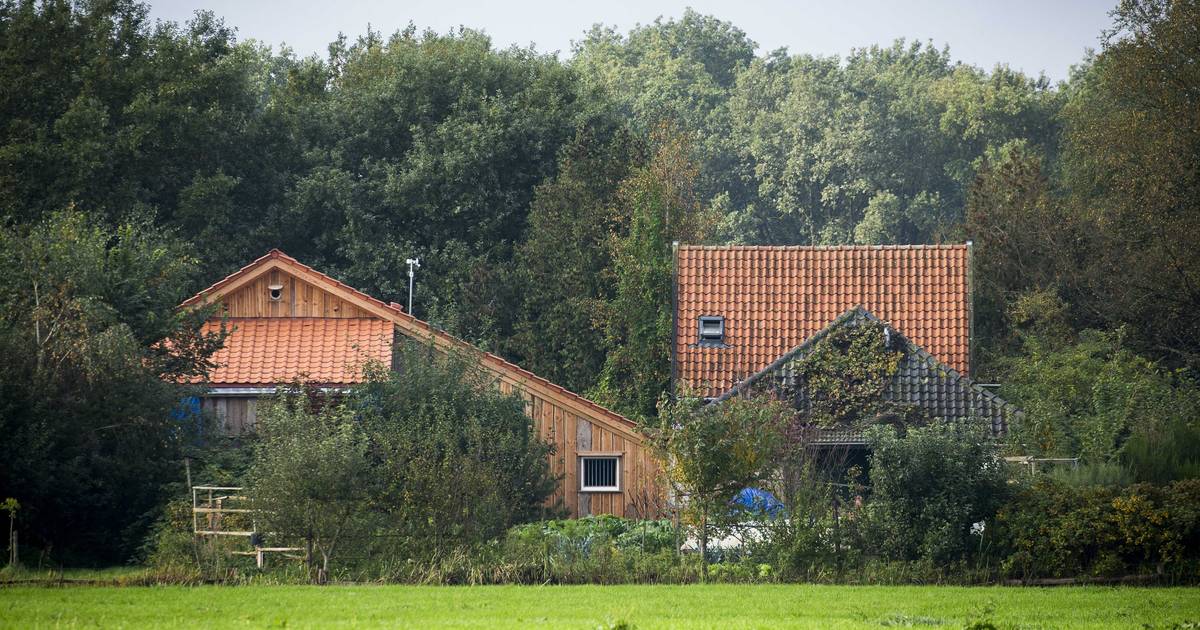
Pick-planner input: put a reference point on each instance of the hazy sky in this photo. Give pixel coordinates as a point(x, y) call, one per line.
point(1030, 35)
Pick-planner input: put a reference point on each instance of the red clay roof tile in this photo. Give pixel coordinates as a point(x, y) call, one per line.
point(270, 350)
point(773, 298)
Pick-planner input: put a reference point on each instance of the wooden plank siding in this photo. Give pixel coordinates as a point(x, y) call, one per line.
point(237, 414)
point(574, 435)
point(298, 299)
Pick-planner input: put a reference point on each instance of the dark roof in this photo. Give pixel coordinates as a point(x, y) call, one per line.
point(773, 298)
point(920, 379)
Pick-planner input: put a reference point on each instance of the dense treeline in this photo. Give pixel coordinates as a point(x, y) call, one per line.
point(542, 194)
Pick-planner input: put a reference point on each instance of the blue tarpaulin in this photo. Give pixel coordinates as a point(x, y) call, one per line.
point(757, 501)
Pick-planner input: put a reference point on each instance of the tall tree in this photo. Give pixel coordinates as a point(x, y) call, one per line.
point(678, 73)
point(1132, 145)
point(96, 355)
point(440, 141)
point(879, 148)
point(663, 208)
point(564, 264)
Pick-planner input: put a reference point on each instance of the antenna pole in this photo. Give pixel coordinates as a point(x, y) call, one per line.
point(413, 263)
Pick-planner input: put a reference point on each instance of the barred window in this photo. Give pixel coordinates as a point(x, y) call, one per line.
point(600, 474)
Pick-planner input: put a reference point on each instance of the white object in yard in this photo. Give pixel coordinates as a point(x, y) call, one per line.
point(734, 538)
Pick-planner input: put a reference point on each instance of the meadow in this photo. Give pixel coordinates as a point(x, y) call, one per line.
point(708, 606)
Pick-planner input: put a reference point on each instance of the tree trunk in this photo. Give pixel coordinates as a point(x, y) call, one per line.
point(704, 544)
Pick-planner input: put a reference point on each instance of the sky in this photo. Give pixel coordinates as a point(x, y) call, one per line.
point(1034, 36)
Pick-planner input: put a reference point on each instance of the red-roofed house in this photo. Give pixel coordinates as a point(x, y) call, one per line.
point(289, 321)
point(742, 313)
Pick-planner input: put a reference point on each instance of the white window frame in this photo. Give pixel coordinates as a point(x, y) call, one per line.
point(583, 457)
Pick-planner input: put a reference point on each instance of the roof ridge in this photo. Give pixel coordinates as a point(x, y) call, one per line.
point(905, 246)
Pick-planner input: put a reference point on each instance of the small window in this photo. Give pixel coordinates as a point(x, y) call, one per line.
point(600, 474)
point(712, 330)
point(275, 291)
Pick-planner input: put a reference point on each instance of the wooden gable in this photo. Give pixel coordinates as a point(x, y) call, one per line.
point(297, 298)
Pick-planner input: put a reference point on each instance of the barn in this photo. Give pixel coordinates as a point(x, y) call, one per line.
point(288, 321)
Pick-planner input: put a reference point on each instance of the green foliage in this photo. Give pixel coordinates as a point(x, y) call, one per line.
point(679, 73)
point(572, 539)
point(94, 356)
point(1087, 397)
point(1130, 148)
point(844, 375)
point(456, 461)
point(565, 263)
point(410, 465)
point(1164, 451)
point(927, 490)
point(876, 148)
point(662, 207)
point(1050, 529)
point(311, 478)
point(440, 142)
point(1092, 474)
point(711, 452)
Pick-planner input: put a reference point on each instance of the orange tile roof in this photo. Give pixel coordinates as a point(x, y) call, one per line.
point(773, 298)
point(271, 350)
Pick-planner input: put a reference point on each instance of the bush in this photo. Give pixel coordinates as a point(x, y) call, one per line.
point(1052, 529)
point(1161, 454)
point(928, 489)
point(456, 462)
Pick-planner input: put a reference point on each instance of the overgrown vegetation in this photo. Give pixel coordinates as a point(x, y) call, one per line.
point(141, 161)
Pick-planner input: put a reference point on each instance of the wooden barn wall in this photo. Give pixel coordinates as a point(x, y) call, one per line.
point(237, 414)
point(573, 435)
point(299, 299)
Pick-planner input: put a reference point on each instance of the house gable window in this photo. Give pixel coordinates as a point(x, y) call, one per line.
point(712, 330)
point(600, 473)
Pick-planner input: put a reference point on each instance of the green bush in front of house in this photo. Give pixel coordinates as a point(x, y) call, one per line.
point(928, 490)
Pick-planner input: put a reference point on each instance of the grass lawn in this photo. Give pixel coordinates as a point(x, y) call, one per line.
point(716, 606)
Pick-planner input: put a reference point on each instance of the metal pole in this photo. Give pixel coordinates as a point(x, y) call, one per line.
point(413, 263)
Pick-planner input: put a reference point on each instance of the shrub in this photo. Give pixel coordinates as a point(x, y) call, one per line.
point(1052, 529)
point(311, 479)
point(1161, 454)
point(928, 489)
point(456, 462)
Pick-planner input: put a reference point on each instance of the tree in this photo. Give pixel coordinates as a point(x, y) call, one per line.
point(456, 462)
point(311, 478)
point(662, 208)
point(677, 73)
point(443, 140)
point(711, 452)
point(564, 265)
point(878, 149)
point(1087, 395)
point(97, 358)
point(1131, 145)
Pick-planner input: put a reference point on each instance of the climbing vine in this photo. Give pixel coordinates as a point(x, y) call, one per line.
point(841, 381)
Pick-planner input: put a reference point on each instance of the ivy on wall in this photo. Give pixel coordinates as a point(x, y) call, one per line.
point(840, 383)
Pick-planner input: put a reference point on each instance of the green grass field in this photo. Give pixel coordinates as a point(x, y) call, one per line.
point(717, 606)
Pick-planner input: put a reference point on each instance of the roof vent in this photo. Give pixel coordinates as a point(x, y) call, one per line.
point(712, 330)
point(275, 291)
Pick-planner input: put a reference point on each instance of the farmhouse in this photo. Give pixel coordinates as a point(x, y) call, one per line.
point(289, 321)
point(745, 317)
